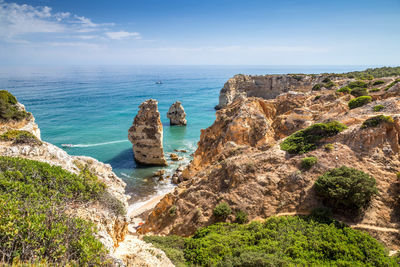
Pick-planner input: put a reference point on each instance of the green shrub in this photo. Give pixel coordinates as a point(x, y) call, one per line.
point(222, 211)
point(374, 90)
point(241, 217)
point(20, 137)
point(374, 72)
point(344, 89)
point(33, 224)
point(329, 84)
point(284, 241)
point(326, 80)
point(308, 162)
point(392, 84)
point(378, 82)
point(358, 91)
point(355, 84)
point(172, 211)
point(375, 121)
point(378, 108)
point(308, 139)
point(9, 109)
point(346, 188)
point(317, 87)
point(329, 147)
point(359, 101)
point(322, 214)
point(172, 245)
point(317, 97)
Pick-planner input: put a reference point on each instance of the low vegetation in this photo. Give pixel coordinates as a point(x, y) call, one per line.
point(9, 109)
point(33, 222)
point(377, 82)
point(358, 91)
point(315, 240)
point(344, 89)
point(392, 84)
point(222, 211)
point(355, 84)
point(308, 162)
point(308, 139)
point(374, 72)
point(378, 108)
point(241, 217)
point(20, 137)
point(346, 188)
point(359, 101)
point(375, 121)
point(373, 90)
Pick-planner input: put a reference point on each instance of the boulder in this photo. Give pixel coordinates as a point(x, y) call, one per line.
point(146, 135)
point(176, 114)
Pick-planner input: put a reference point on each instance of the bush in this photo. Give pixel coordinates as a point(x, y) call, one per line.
point(378, 82)
point(20, 137)
point(222, 211)
point(284, 241)
point(359, 101)
point(172, 245)
point(378, 108)
point(317, 97)
point(308, 139)
point(33, 224)
point(398, 175)
point(9, 109)
point(355, 84)
point(329, 84)
point(358, 91)
point(344, 89)
point(172, 211)
point(329, 147)
point(375, 72)
point(308, 162)
point(241, 217)
point(392, 84)
point(317, 87)
point(374, 90)
point(346, 188)
point(375, 121)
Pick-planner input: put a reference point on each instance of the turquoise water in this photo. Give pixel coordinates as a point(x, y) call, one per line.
point(93, 108)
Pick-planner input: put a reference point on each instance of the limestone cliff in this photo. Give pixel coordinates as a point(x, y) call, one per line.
point(265, 86)
point(239, 161)
point(146, 135)
point(176, 114)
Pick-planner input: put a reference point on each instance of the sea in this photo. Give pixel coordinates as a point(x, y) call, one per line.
point(92, 108)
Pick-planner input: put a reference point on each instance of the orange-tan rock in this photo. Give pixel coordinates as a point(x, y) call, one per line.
point(239, 161)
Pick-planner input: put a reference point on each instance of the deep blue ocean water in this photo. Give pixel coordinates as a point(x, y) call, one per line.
point(93, 107)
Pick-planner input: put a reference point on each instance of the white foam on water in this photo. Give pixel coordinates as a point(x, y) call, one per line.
point(99, 144)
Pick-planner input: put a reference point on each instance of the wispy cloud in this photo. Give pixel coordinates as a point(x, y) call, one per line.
point(122, 35)
point(22, 23)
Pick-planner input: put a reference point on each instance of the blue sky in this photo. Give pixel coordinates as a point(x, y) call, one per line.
point(215, 32)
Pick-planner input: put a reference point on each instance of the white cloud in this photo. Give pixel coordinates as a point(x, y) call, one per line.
point(122, 35)
point(28, 24)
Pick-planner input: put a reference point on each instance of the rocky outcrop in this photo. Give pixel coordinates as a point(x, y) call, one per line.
point(265, 86)
point(239, 161)
point(146, 135)
point(176, 114)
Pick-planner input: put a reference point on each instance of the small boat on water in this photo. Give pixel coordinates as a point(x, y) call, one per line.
point(158, 82)
point(67, 145)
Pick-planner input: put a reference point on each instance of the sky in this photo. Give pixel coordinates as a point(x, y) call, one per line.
point(199, 32)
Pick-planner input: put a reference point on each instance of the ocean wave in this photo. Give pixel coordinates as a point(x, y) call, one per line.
point(97, 144)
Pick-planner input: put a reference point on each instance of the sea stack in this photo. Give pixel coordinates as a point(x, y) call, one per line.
point(146, 135)
point(176, 114)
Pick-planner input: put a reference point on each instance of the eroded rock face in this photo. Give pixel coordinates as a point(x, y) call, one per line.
point(239, 161)
point(265, 86)
point(146, 135)
point(176, 114)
